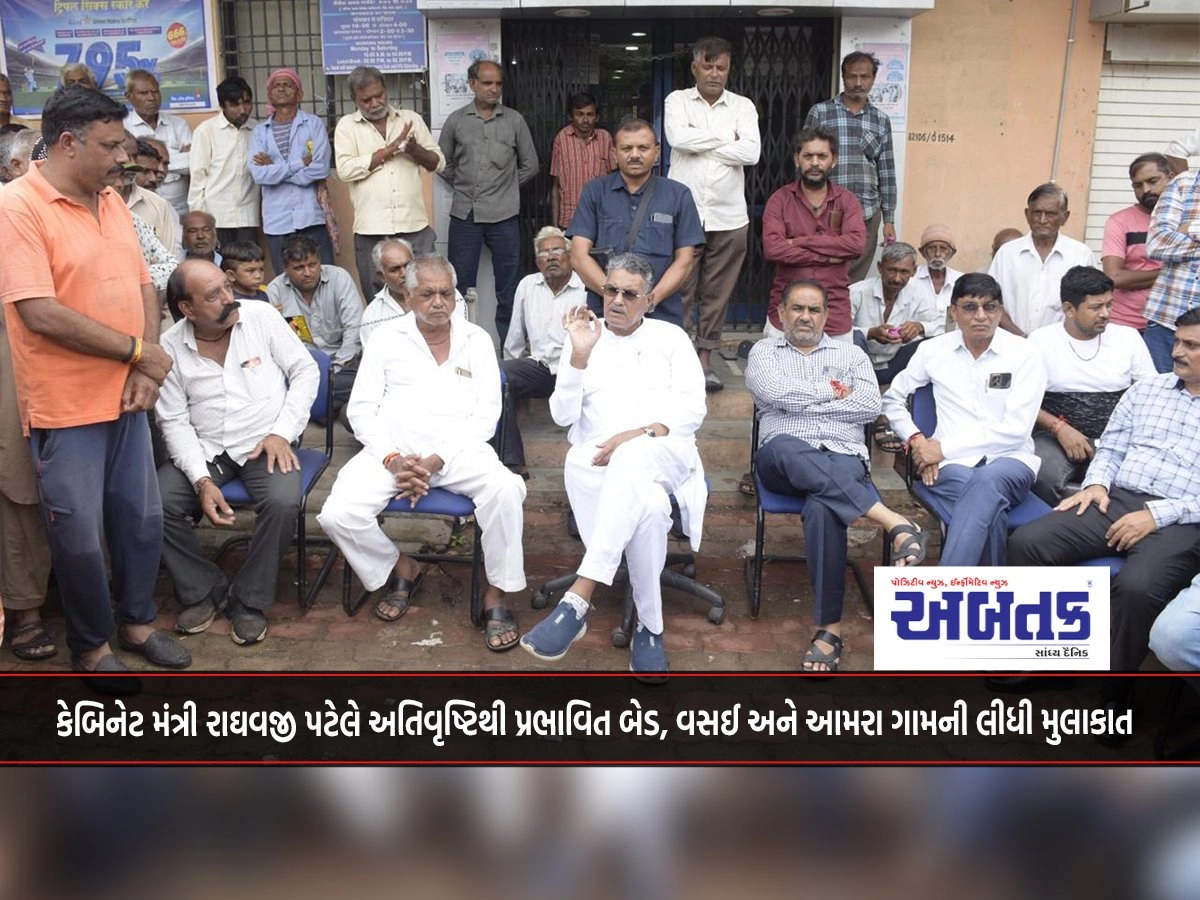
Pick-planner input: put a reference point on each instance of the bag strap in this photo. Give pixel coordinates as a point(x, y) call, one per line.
point(640, 216)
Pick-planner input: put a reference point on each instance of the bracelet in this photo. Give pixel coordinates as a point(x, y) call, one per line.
point(1058, 424)
point(136, 356)
point(913, 437)
point(132, 350)
point(387, 460)
point(200, 483)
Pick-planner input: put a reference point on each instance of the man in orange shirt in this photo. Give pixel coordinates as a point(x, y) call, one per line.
point(83, 322)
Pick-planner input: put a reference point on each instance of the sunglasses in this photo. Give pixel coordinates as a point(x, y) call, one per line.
point(611, 290)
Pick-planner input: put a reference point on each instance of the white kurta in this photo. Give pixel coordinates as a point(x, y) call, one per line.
point(652, 375)
point(403, 401)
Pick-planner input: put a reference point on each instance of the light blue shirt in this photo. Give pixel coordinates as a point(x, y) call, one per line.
point(289, 188)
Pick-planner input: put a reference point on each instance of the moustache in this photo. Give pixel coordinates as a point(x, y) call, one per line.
point(228, 311)
point(937, 265)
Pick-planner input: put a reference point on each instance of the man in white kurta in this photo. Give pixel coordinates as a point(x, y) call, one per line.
point(404, 402)
point(632, 391)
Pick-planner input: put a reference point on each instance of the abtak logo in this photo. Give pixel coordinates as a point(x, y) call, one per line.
point(973, 618)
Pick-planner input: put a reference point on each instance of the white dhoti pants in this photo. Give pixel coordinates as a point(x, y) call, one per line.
point(624, 508)
point(364, 487)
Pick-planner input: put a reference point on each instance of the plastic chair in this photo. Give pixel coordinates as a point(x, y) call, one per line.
point(313, 463)
point(770, 502)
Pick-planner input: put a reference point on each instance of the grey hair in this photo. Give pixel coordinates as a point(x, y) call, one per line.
point(897, 252)
point(634, 264)
point(545, 234)
point(432, 261)
point(363, 77)
point(377, 250)
point(72, 68)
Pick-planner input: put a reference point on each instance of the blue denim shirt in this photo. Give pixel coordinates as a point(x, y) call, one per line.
point(289, 188)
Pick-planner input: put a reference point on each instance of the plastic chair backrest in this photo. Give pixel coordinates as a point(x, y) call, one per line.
point(320, 410)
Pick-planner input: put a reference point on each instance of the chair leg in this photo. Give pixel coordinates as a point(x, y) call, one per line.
point(477, 576)
point(541, 597)
point(755, 592)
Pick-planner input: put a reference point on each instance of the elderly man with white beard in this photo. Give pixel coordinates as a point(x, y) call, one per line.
point(632, 391)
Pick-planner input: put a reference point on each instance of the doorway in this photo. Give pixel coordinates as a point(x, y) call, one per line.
point(630, 65)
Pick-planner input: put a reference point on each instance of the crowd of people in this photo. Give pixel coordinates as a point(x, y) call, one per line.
point(135, 313)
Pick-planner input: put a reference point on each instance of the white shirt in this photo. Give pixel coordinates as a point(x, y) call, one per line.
point(538, 316)
point(922, 283)
point(267, 386)
point(1029, 286)
point(221, 183)
point(159, 215)
point(384, 307)
point(709, 146)
point(403, 401)
point(391, 198)
point(975, 420)
point(866, 310)
point(1111, 361)
point(652, 375)
point(173, 132)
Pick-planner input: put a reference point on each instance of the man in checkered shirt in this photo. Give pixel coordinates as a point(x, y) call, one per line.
point(1140, 499)
point(866, 160)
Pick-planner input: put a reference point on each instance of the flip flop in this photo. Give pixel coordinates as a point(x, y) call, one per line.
point(500, 621)
point(746, 485)
point(400, 596)
point(40, 646)
point(915, 546)
point(886, 439)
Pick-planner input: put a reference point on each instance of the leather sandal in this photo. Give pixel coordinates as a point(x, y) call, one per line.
point(500, 621)
point(815, 655)
point(399, 597)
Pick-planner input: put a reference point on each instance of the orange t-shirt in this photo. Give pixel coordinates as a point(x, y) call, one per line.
point(53, 247)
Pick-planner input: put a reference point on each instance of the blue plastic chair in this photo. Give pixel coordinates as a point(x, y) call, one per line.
point(313, 463)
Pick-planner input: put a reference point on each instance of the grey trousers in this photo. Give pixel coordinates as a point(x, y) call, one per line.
point(277, 504)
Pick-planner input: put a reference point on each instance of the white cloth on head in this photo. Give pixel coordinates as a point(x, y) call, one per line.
point(630, 382)
point(404, 401)
point(1030, 285)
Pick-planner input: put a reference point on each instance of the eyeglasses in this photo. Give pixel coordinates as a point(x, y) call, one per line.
point(971, 308)
point(611, 290)
point(551, 254)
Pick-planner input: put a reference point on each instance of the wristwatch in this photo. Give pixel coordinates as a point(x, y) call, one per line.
point(650, 432)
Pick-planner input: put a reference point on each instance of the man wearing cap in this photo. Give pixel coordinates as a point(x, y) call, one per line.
point(935, 279)
point(289, 160)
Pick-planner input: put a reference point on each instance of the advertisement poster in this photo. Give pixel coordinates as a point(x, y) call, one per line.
point(168, 37)
point(890, 93)
point(386, 34)
point(455, 53)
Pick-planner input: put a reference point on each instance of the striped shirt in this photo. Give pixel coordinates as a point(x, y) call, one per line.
point(575, 161)
point(1177, 288)
point(1149, 447)
point(866, 163)
point(794, 394)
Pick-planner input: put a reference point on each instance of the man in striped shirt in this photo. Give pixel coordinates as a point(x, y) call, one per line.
point(581, 152)
point(866, 161)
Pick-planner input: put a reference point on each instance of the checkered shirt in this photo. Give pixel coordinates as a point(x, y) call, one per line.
point(1177, 288)
point(866, 164)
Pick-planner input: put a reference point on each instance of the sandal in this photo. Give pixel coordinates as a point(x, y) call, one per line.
point(815, 655)
point(886, 439)
point(500, 621)
point(399, 597)
point(913, 548)
point(746, 485)
point(40, 646)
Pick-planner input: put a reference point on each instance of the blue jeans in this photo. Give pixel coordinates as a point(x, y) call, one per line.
point(98, 487)
point(1175, 635)
point(1159, 340)
point(464, 244)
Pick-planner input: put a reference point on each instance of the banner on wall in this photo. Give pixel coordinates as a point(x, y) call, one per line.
point(891, 81)
point(386, 34)
point(168, 37)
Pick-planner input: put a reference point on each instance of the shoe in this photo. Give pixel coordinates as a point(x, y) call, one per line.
point(249, 625)
point(713, 382)
point(160, 649)
point(551, 638)
point(1027, 684)
point(648, 656)
point(196, 618)
point(114, 685)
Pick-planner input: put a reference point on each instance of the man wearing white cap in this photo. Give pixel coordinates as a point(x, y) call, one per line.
point(935, 278)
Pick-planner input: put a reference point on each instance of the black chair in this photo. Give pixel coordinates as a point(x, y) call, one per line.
point(683, 580)
point(313, 463)
point(443, 504)
point(772, 503)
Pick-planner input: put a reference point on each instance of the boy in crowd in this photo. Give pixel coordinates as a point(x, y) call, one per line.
point(244, 267)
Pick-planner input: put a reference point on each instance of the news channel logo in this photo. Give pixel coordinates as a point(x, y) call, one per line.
point(985, 618)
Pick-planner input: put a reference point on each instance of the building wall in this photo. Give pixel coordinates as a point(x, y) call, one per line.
point(982, 116)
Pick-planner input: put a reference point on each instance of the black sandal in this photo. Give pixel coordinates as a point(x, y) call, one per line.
point(399, 596)
point(39, 647)
point(746, 485)
point(815, 654)
point(914, 547)
point(886, 439)
point(499, 620)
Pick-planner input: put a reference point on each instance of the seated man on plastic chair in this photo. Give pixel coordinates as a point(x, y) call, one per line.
point(237, 396)
point(425, 404)
point(815, 395)
point(987, 386)
point(632, 391)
